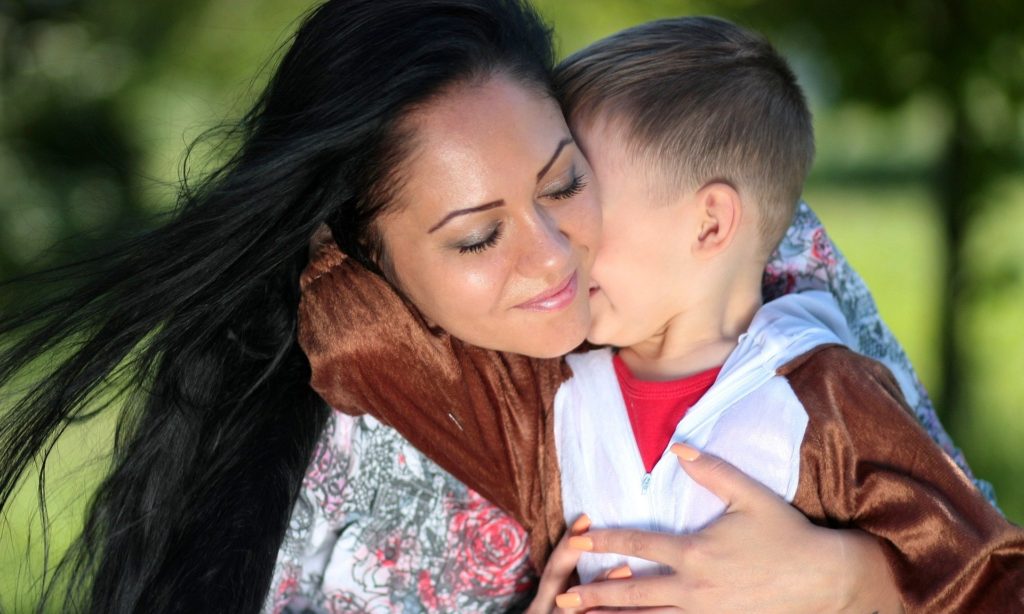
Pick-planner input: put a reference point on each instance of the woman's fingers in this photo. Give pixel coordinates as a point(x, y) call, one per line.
point(660, 547)
point(736, 489)
point(558, 571)
point(656, 610)
point(570, 601)
point(736, 562)
point(653, 591)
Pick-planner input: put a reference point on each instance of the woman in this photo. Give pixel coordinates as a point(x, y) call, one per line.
point(193, 324)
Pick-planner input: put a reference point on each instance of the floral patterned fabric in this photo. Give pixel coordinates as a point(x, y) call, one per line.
point(378, 527)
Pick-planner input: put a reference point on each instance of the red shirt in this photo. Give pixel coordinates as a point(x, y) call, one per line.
point(655, 408)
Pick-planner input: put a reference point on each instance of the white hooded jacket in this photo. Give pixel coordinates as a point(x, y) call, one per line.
point(750, 417)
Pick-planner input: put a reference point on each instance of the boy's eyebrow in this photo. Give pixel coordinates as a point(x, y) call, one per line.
point(498, 203)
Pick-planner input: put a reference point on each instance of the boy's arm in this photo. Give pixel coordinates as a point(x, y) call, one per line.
point(866, 462)
point(484, 416)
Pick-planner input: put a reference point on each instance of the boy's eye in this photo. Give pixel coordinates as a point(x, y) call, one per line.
point(479, 246)
point(575, 187)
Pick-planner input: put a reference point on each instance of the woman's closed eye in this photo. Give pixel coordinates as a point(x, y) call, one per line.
point(572, 189)
point(475, 246)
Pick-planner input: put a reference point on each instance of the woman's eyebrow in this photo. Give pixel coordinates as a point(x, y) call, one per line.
point(458, 212)
point(498, 203)
point(558, 150)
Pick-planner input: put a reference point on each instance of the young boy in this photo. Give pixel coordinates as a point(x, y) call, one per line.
point(700, 140)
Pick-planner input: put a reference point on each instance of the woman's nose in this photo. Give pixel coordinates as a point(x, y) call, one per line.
point(546, 249)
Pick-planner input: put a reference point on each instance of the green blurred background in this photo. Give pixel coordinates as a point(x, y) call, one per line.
point(920, 123)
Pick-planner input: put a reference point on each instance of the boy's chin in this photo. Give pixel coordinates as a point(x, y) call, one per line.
point(597, 336)
point(603, 334)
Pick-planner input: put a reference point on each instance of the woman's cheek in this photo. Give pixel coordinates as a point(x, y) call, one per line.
point(477, 286)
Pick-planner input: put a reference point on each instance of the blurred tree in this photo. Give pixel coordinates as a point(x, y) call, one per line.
point(68, 159)
point(76, 126)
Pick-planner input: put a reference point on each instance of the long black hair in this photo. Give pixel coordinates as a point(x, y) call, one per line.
point(189, 331)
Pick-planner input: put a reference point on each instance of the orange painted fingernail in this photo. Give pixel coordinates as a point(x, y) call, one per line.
point(581, 542)
point(685, 452)
point(581, 525)
point(620, 573)
point(568, 600)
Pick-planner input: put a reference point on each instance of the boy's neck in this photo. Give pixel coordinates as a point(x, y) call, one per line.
point(699, 339)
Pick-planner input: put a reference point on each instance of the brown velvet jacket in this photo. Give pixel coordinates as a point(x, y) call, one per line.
point(487, 417)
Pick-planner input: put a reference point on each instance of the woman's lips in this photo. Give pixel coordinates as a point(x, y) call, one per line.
point(559, 297)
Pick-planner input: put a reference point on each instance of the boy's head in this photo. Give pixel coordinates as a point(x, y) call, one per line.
point(701, 140)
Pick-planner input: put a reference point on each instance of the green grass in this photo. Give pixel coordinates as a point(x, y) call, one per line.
point(73, 472)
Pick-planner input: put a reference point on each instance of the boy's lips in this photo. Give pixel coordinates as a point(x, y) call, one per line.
point(557, 297)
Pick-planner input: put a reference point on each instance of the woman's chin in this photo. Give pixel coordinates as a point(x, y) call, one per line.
point(555, 341)
point(554, 347)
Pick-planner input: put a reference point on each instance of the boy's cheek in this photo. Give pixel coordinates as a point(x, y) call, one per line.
point(598, 314)
point(605, 327)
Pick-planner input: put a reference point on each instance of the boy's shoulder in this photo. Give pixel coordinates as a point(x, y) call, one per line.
point(831, 356)
point(833, 365)
point(834, 382)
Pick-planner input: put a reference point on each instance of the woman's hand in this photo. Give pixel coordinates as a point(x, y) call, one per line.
point(560, 571)
point(760, 555)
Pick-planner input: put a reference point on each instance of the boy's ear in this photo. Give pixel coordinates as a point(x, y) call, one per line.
point(719, 212)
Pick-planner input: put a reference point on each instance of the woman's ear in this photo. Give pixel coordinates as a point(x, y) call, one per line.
point(719, 212)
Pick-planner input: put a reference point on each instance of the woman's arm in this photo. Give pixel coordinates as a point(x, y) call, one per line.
point(760, 555)
point(807, 259)
point(865, 462)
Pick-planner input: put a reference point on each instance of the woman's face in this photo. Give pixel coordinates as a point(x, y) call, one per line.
point(496, 222)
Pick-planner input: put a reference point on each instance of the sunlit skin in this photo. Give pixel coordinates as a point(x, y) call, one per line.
point(677, 277)
point(497, 222)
